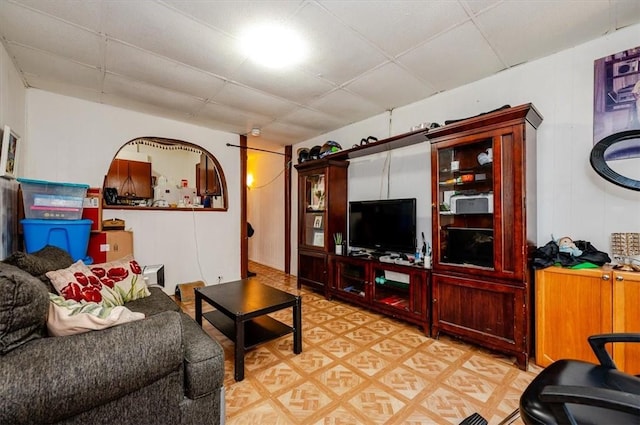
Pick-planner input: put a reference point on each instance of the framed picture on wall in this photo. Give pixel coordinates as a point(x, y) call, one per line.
point(616, 93)
point(9, 153)
point(317, 222)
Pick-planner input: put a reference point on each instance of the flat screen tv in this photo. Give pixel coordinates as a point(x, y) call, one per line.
point(384, 226)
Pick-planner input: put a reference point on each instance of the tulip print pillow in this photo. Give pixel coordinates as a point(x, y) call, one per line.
point(124, 276)
point(78, 283)
point(69, 317)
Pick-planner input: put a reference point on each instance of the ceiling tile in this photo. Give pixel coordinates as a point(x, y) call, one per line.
point(159, 71)
point(287, 133)
point(625, 13)
point(390, 86)
point(477, 6)
point(468, 58)
point(521, 31)
point(251, 100)
point(84, 13)
point(336, 52)
point(315, 120)
point(234, 16)
point(294, 84)
point(396, 26)
point(346, 106)
point(168, 33)
point(115, 85)
point(45, 66)
point(241, 120)
point(49, 34)
point(65, 88)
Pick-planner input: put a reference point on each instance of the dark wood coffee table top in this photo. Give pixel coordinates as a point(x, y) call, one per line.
point(247, 298)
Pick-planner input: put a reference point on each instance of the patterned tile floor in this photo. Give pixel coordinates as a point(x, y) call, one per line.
point(359, 367)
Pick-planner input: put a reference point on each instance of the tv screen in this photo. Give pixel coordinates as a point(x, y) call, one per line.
point(386, 225)
point(469, 246)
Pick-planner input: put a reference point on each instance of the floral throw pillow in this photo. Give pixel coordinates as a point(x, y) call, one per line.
point(124, 276)
point(79, 284)
point(69, 317)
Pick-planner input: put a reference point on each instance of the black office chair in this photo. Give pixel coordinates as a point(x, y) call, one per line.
point(577, 392)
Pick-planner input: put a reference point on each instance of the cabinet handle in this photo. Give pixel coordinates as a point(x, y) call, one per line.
point(619, 278)
point(435, 300)
point(606, 277)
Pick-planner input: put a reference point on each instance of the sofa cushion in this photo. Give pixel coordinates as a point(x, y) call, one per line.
point(24, 303)
point(78, 283)
point(53, 379)
point(124, 275)
point(69, 317)
point(40, 262)
point(156, 303)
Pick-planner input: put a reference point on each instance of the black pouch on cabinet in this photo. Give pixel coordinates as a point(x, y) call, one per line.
point(110, 195)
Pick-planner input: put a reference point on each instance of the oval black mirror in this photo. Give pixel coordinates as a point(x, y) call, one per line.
point(611, 156)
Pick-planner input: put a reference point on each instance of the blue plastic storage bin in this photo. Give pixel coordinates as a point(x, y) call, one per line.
point(70, 235)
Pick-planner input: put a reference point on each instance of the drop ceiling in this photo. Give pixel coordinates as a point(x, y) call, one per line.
point(180, 59)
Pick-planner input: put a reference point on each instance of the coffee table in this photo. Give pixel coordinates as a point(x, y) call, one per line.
point(241, 315)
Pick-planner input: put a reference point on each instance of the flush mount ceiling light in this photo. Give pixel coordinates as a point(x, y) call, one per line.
point(256, 132)
point(273, 46)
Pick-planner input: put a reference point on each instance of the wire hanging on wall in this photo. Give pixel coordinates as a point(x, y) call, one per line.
point(273, 179)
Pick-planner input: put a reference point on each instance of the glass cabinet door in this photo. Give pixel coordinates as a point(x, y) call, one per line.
point(465, 204)
point(392, 288)
point(351, 278)
point(313, 231)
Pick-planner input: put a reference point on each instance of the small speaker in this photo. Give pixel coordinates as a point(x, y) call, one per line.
point(154, 275)
point(625, 67)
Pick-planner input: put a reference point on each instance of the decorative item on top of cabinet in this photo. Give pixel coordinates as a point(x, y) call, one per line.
point(322, 212)
point(572, 305)
point(482, 170)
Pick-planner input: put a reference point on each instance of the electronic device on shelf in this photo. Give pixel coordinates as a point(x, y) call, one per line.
point(383, 225)
point(471, 203)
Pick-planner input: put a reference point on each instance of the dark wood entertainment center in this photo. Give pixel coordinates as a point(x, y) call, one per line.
point(483, 189)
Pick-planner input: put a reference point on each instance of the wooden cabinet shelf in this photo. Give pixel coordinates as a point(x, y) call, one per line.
point(322, 212)
point(392, 289)
point(481, 278)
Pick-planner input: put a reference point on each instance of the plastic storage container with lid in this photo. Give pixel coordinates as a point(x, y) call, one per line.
point(52, 200)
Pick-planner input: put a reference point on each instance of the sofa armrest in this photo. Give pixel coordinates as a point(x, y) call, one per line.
point(57, 377)
point(203, 361)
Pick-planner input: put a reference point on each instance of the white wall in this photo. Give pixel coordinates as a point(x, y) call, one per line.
point(265, 208)
point(12, 113)
point(572, 199)
point(72, 140)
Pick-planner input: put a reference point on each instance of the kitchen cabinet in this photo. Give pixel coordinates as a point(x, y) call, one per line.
point(207, 178)
point(483, 228)
point(572, 305)
point(322, 212)
point(110, 245)
point(132, 179)
point(396, 290)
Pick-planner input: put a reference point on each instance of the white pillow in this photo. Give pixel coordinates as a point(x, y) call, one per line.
point(69, 317)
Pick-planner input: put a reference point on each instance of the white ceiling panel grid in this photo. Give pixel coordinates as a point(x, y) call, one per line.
point(181, 58)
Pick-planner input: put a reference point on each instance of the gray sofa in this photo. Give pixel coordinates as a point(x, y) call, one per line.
point(163, 369)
